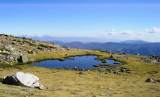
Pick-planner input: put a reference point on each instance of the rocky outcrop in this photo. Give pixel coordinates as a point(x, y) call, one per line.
point(9, 54)
point(16, 49)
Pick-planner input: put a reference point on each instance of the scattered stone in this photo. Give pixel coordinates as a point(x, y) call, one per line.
point(151, 80)
point(125, 70)
point(115, 69)
point(155, 59)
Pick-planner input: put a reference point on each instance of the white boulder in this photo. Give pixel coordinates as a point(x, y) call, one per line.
point(25, 79)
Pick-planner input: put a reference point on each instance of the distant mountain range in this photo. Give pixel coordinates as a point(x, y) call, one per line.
point(65, 39)
point(130, 46)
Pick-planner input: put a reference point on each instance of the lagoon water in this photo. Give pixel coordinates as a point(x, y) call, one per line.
point(80, 62)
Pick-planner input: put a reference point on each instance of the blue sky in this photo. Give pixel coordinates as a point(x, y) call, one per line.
point(110, 20)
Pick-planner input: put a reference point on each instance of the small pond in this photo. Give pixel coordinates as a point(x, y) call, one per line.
point(79, 62)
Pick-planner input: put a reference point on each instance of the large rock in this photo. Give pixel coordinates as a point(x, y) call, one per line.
point(27, 79)
point(22, 59)
point(24, 79)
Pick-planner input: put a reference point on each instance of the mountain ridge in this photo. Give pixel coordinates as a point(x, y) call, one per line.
point(135, 47)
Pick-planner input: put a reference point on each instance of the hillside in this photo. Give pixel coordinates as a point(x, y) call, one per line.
point(12, 48)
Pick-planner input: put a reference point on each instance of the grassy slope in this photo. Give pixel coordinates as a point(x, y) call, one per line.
point(61, 54)
point(67, 83)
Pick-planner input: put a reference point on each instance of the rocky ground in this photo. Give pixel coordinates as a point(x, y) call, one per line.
point(16, 49)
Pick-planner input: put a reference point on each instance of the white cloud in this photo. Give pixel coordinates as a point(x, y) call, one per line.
point(153, 30)
point(151, 34)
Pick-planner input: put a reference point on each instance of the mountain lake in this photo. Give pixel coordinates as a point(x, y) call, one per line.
point(77, 62)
